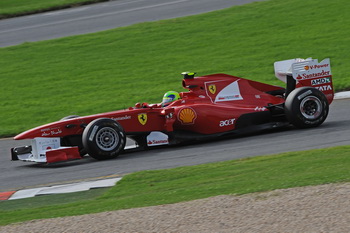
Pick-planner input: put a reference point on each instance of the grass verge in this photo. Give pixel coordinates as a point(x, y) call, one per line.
point(81, 75)
point(238, 177)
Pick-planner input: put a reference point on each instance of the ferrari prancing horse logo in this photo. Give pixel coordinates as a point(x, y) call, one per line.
point(142, 118)
point(212, 88)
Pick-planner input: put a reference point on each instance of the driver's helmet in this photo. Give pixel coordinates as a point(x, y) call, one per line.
point(169, 97)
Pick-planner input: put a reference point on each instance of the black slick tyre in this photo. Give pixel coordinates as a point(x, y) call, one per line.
point(306, 107)
point(104, 139)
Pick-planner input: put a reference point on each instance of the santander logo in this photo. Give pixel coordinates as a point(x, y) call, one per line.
point(156, 138)
point(157, 142)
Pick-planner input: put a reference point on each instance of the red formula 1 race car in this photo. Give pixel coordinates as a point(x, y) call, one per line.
point(214, 105)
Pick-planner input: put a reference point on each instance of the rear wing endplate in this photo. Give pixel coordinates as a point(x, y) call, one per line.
point(301, 69)
point(306, 72)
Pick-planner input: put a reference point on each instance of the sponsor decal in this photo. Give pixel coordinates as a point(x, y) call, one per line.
point(157, 142)
point(320, 81)
point(126, 117)
point(142, 118)
point(260, 109)
point(187, 116)
point(157, 138)
point(229, 93)
point(47, 129)
point(212, 88)
point(304, 94)
point(257, 96)
point(50, 132)
point(318, 66)
point(227, 122)
point(48, 144)
point(93, 132)
point(229, 97)
point(315, 75)
point(41, 145)
point(325, 88)
point(309, 69)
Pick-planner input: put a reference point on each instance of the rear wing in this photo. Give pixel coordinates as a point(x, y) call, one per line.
point(306, 72)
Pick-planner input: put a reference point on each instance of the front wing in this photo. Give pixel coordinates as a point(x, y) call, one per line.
point(45, 150)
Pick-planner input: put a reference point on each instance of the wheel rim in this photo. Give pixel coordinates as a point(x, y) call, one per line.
point(107, 139)
point(311, 107)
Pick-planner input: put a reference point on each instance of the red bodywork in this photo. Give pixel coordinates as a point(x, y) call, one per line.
point(206, 109)
point(214, 105)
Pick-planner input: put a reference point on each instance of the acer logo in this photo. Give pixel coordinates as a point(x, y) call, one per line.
point(227, 122)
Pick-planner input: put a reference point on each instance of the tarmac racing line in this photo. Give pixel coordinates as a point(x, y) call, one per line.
point(102, 16)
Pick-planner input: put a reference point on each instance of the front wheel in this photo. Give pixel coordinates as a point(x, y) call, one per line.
point(306, 107)
point(104, 138)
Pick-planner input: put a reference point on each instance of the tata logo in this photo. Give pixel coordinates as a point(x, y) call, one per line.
point(320, 81)
point(142, 118)
point(212, 88)
point(325, 88)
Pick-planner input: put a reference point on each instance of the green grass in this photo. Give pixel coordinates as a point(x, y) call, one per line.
point(12, 8)
point(148, 188)
point(45, 81)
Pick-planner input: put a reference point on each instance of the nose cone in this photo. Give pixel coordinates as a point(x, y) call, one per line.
point(54, 129)
point(29, 134)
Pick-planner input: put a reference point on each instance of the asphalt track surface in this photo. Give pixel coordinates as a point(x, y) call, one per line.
point(102, 16)
point(334, 132)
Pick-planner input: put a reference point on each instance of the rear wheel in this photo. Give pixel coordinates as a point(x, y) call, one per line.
point(104, 138)
point(306, 107)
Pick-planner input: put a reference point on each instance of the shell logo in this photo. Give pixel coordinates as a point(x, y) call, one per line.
point(306, 67)
point(187, 116)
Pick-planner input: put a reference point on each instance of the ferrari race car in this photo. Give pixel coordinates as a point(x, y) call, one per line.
point(214, 105)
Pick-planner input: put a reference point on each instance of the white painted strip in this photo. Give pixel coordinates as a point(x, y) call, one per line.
point(67, 188)
point(77, 187)
point(342, 95)
point(25, 193)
